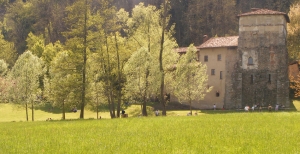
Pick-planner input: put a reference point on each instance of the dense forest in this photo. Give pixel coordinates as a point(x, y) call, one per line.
point(192, 18)
point(78, 52)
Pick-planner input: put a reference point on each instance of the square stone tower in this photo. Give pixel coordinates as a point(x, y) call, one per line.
point(261, 75)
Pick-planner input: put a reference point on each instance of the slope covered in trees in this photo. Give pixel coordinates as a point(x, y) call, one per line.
point(192, 18)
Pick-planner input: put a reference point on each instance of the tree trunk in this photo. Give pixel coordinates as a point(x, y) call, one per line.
point(112, 103)
point(32, 111)
point(144, 110)
point(109, 83)
point(190, 101)
point(84, 64)
point(97, 112)
point(162, 78)
point(63, 111)
point(119, 88)
point(97, 102)
point(109, 105)
point(26, 108)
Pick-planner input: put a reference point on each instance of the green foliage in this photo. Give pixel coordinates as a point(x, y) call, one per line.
point(35, 44)
point(25, 74)
point(218, 133)
point(190, 77)
point(3, 67)
point(8, 52)
point(293, 29)
point(64, 85)
point(20, 19)
point(136, 70)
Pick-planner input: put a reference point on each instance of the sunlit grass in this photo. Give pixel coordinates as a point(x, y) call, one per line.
point(276, 132)
point(297, 104)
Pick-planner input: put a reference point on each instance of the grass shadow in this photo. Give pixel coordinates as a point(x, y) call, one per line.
point(47, 107)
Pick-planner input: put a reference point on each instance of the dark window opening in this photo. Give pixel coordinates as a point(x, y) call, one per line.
point(219, 57)
point(251, 79)
point(206, 58)
point(269, 78)
point(217, 94)
point(221, 75)
point(212, 71)
point(250, 61)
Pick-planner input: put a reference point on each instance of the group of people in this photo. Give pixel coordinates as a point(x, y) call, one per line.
point(259, 107)
point(247, 108)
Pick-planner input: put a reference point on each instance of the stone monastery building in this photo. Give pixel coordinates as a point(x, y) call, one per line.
point(248, 69)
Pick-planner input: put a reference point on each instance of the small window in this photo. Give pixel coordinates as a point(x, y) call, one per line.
point(212, 71)
point(219, 57)
point(221, 75)
point(205, 58)
point(251, 79)
point(269, 78)
point(217, 94)
point(250, 61)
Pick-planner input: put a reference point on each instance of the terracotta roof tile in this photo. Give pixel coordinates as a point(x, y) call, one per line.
point(257, 11)
point(215, 42)
point(181, 49)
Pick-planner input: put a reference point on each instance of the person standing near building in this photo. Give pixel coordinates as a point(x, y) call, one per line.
point(156, 112)
point(270, 107)
point(246, 108)
point(215, 106)
point(276, 107)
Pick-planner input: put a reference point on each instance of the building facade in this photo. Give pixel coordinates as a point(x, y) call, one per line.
point(251, 68)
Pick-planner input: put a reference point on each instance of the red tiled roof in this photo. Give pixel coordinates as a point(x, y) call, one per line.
point(257, 11)
point(215, 42)
point(181, 49)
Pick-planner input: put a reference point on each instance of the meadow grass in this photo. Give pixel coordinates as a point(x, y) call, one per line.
point(209, 132)
point(276, 132)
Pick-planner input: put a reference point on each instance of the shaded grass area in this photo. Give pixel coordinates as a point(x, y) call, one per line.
point(208, 133)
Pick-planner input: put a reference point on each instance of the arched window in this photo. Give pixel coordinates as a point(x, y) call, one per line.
point(250, 61)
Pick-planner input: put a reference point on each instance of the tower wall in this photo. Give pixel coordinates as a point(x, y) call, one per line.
point(262, 69)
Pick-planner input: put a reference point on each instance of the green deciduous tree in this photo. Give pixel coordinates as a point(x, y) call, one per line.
point(293, 29)
point(7, 51)
point(4, 83)
point(139, 77)
point(64, 85)
point(25, 74)
point(190, 78)
point(35, 44)
point(78, 23)
point(3, 67)
point(145, 34)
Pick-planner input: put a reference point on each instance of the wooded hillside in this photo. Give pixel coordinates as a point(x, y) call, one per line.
point(192, 18)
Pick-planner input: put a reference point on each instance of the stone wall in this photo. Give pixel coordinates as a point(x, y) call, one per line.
point(265, 80)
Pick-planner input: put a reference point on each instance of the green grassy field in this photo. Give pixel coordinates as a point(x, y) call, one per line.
point(209, 132)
